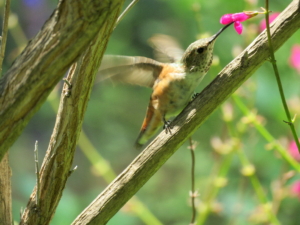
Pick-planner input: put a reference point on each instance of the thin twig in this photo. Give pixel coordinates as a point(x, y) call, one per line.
point(37, 172)
point(193, 193)
point(125, 12)
point(4, 33)
point(273, 61)
point(73, 170)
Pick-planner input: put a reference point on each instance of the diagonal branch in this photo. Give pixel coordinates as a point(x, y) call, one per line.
point(164, 146)
point(42, 64)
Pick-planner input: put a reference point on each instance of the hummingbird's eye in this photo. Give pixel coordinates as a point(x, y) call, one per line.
point(200, 50)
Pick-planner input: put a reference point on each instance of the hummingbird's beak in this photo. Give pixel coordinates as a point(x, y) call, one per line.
point(214, 37)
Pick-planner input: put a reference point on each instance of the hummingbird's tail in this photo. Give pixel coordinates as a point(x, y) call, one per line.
point(152, 122)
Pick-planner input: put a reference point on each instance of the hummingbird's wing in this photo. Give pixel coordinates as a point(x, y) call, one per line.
point(167, 48)
point(134, 70)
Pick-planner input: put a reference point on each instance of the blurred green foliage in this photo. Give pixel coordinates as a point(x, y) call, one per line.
point(116, 111)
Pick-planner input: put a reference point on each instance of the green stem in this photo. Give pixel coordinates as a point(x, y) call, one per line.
point(263, 131)
point(275, 68)
point(214, 189)
point(252, 176)
point(258, 188)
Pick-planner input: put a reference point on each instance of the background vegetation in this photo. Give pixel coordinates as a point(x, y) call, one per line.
point(116, 111)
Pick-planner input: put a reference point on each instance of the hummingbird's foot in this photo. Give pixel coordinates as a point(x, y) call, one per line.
point(167, 126)
point(195, 96)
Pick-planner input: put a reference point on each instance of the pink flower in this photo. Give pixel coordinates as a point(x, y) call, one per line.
point(237, 18)
point(293, 150)
point(295, 58)
point(226, 19)
point(295, 189)
point(238, 27)
point(242, 16)
point(272, 17)
point(229, 18)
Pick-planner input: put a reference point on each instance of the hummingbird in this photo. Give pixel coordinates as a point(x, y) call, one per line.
point(173, 83)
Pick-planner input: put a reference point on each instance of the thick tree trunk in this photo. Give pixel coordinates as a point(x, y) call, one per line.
point(5, 192)
point(45, 60)
point(77, 30)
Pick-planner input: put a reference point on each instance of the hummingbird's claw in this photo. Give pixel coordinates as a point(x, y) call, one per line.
point(167, 126)
point(195, 96)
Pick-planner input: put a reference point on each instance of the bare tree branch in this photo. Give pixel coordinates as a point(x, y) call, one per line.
point(5, 175)
point(4, 33)
point(5, 192)
point(42, 64)
point(57, 163)
point(159, 150)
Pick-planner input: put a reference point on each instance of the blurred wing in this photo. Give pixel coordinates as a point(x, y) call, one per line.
point(134, 70)
point(166, 48)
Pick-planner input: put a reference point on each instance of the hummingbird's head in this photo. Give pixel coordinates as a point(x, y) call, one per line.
point(198, 56)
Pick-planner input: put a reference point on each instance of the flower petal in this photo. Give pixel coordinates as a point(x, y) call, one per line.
point(295, 189)
point(295, 57)
point(238, 27)
point(240, 17)
point(226, 19)
point(293, 150)
point(272, 17)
